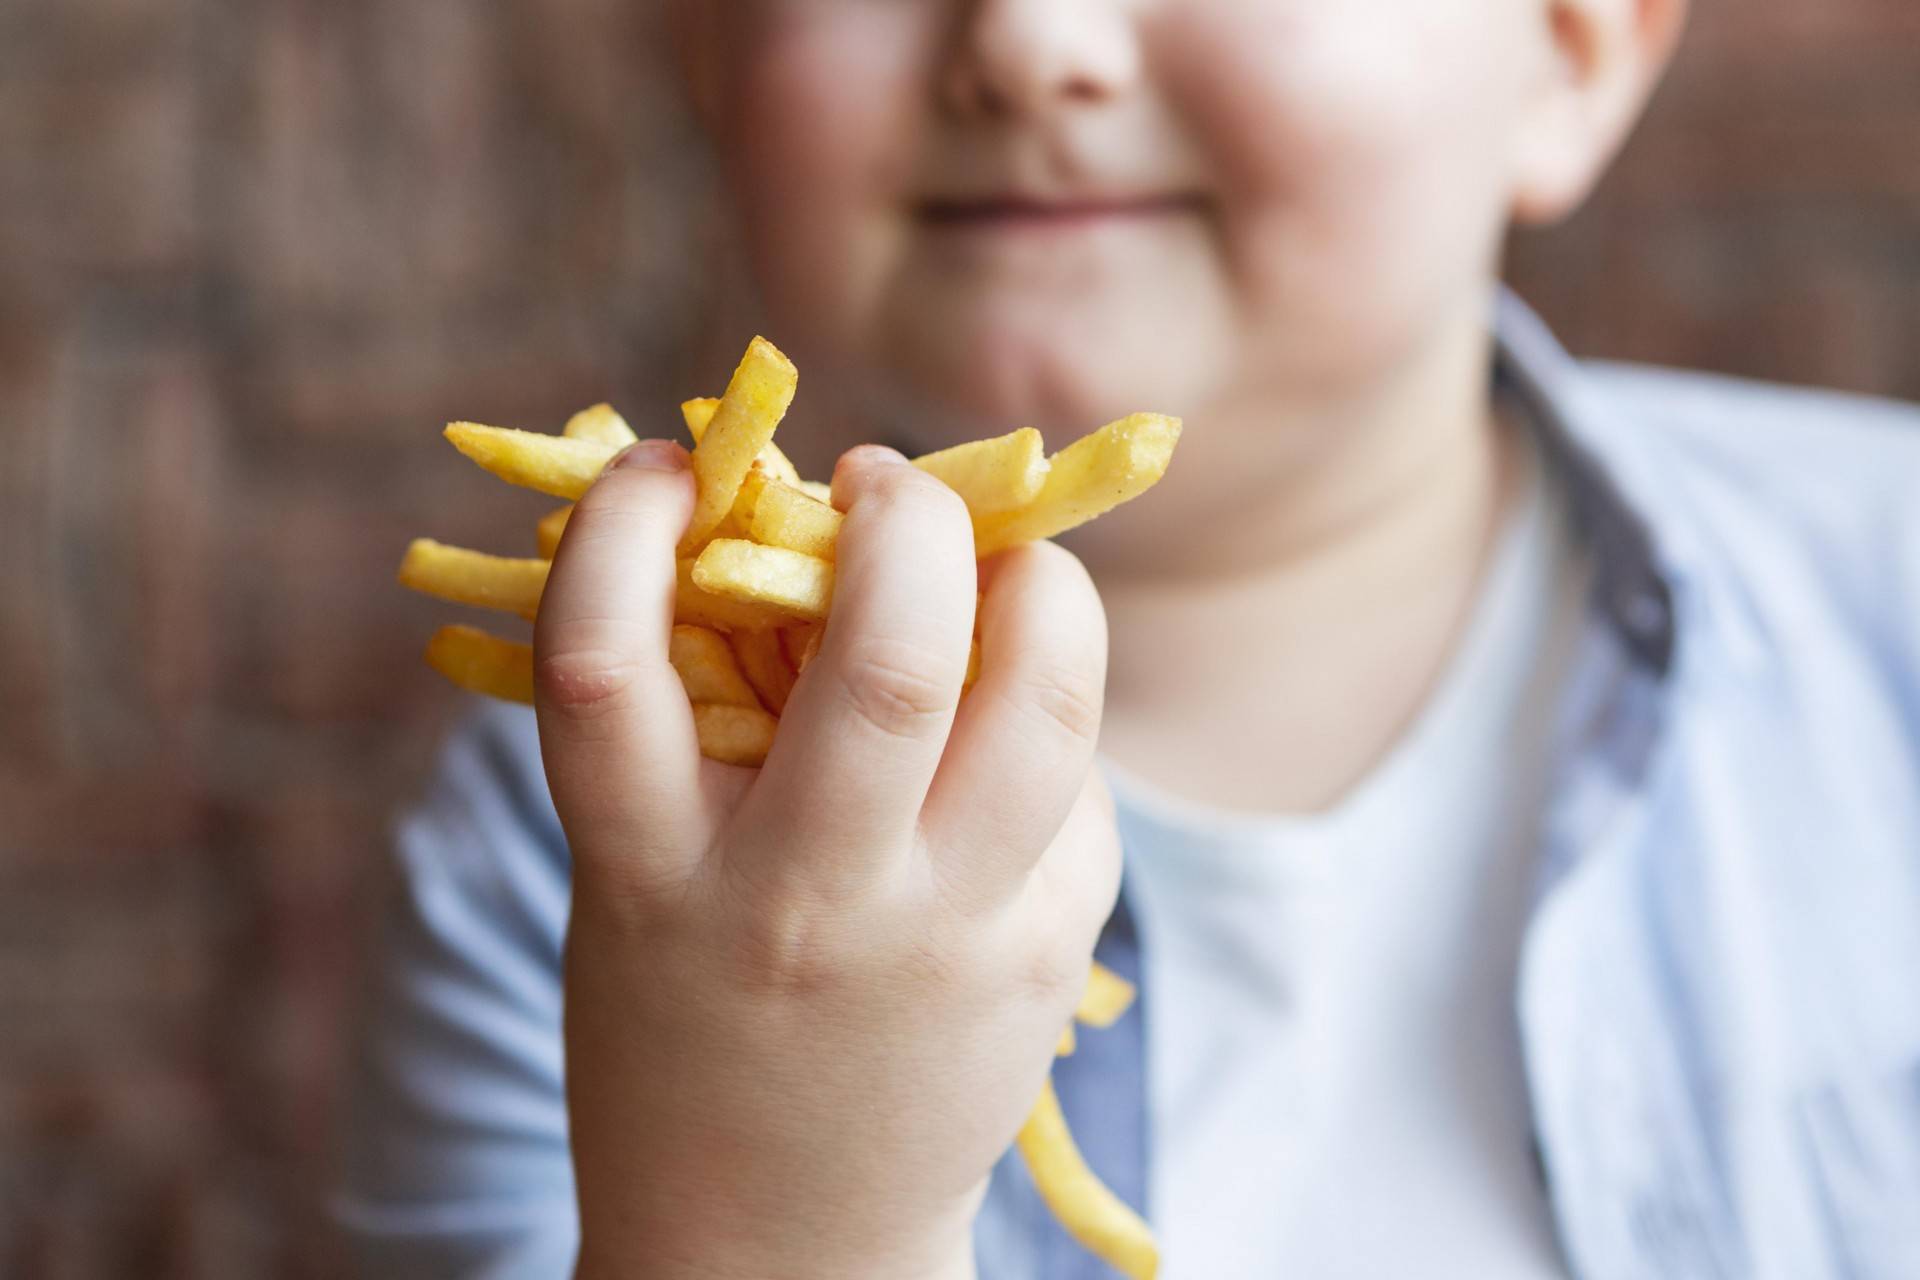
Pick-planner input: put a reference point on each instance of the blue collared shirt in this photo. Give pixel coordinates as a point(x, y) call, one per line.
point(1719, 989)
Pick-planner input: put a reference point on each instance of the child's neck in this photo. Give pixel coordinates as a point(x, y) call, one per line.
point(1285, 661)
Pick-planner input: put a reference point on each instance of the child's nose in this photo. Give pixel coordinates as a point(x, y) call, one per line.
point(1017, 57)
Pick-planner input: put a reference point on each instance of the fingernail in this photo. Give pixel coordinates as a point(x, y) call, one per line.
point(875, 455)
point(651, 455)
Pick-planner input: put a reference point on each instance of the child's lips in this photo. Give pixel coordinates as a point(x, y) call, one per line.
point(1027, 214)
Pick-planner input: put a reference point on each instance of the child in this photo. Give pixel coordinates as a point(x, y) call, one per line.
point(1515, 763)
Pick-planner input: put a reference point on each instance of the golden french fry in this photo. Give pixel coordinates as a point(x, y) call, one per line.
point(973, 665)
point(1004, 473)
point(733, 735)
point(765, 665)
point(756, 399)
point(1108, 995)
point(546, 534)
point(704, 609)
point(1089, 477)
point(474, 577)
point(747, 501)
point(706, 668)
point(698, 412)
point(1068, 1043)
point(815, 489)
point(800, 644)
point(515, 585)
point(550, 464)
point(784, 516)
point(1090, 1212)
point(799, 585)
point(601, 425)
point(481, 663)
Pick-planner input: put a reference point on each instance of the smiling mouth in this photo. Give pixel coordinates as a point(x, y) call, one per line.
point(1023, 213)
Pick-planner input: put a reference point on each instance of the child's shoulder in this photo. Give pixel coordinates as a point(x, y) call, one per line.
point(1790, 490)
point(1782, 442)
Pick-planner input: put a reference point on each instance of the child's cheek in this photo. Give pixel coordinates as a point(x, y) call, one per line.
point(816, 140)
point(1355, 149)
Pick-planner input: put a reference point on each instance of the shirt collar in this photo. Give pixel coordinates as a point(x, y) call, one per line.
point(1632, 593)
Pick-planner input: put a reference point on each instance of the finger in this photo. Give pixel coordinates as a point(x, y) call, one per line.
point(616, 731)
point(1077, 880)
point(865, 725)
point(1023, 742)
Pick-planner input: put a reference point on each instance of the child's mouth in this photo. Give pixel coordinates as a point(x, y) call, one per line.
point(1019, 213)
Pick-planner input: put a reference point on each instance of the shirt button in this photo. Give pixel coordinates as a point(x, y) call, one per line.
point(1646, 614)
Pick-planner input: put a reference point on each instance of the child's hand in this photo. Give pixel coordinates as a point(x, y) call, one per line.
point(807, 1009)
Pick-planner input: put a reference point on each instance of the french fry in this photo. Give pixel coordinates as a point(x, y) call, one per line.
point(704, 609)
point(706, 668)
point(515, 586)
point(601, 425)
point(473, 577)
point(973, 665)
point(1108, 995)
point(764, 664)
point(547, 533)
point(992, 476)
point(756, 399)
point(747, 501)
point(784, 516)
point(733, 735)
point(800, 644)
point(698, 412)
point(552, 465)
point(1091, 1213)
point(1088, 478)
point(815, 489)
point(1067, 1044)
point(482, 663)
point(799, 585)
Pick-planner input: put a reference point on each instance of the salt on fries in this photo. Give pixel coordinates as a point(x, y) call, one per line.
point(753, 593)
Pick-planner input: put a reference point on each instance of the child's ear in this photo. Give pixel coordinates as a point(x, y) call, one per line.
point(694, 28)
point(1604, 59)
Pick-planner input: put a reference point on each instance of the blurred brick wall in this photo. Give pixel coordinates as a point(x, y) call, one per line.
point(1765, 220)
point(252, 253)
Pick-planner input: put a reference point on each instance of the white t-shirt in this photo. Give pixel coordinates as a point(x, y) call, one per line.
point(1333, 1061)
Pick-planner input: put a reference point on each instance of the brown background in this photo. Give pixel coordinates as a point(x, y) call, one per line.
point(253, 253)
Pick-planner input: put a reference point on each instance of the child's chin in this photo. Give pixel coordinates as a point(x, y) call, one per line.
point(1057, 377)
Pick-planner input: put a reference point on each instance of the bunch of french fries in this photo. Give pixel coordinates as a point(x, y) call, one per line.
point(755, 588)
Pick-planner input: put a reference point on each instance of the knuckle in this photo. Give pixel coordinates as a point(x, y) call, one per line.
point(788, 948)
point(1056, 971)
point(1066, 698)
point(584, 683)
point(896, 686)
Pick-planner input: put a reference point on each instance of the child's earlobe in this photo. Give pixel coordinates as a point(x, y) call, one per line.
point(1606, 58)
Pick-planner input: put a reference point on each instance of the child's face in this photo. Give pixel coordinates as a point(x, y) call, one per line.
point(1058, 211)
